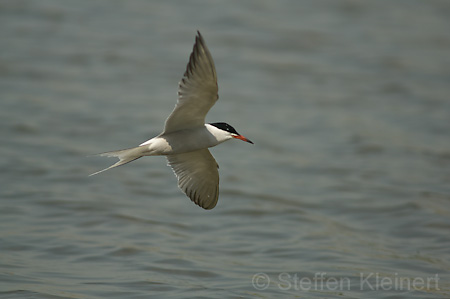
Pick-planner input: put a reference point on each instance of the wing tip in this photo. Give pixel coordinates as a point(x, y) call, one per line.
point(207, 205)
point(199, 38)
point(208, 202)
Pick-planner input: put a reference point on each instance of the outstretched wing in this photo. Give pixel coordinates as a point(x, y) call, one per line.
point(198, 176)
point(197, 91)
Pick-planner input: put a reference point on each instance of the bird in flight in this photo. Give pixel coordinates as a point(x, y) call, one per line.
point(186, 138)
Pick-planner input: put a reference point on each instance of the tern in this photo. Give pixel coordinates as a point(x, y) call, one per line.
point(186, 137)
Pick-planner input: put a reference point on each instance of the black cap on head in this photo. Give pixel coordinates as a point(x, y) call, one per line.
point(225, 127)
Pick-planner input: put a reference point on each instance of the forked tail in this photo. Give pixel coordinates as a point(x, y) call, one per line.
point(125, 156)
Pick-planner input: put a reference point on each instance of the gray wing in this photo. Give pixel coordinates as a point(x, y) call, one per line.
point(197, 91)
point(198, 176)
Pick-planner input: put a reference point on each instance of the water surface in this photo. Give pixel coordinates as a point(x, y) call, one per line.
point(344, 194)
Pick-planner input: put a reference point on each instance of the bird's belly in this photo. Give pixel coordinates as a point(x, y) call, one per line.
point(182, 142)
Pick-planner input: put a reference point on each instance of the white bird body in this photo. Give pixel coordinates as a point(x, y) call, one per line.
point(177, 143)
point(186, 138)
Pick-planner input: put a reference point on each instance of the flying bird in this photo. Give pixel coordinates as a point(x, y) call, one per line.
point(186, 137)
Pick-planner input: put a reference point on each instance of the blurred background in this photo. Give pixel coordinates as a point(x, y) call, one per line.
point(347, 103)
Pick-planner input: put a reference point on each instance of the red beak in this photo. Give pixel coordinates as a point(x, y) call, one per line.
point(242, 138)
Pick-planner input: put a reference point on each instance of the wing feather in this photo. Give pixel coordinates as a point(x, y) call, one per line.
point(197, 90)
point(198, 176)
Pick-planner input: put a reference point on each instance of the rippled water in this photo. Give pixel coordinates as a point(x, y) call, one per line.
point(345, 193)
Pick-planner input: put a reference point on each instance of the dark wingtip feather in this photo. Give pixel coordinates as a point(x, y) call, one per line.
point(194, 54)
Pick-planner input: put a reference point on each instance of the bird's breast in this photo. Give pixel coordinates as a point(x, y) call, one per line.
point(183, 141)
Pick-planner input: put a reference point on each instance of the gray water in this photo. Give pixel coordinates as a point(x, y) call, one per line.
point(346, 192)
